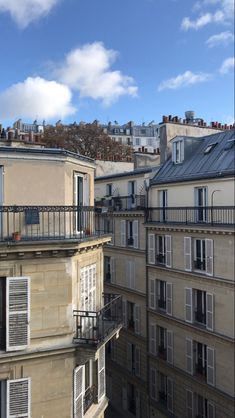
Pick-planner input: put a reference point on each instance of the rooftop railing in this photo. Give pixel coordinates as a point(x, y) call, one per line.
point(119, 203)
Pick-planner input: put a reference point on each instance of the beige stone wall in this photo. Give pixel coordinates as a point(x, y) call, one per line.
point(120, 185)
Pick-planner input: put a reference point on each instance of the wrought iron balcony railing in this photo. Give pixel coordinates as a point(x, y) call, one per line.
point(206, 215)
point(92, 327)
point(90, 397)
point(116, 203)
point(27, 223)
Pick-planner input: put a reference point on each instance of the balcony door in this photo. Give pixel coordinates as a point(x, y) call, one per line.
point(131, 194)
point(163, 203)
point(81, 198)
point(88, 299)
point(201, 199)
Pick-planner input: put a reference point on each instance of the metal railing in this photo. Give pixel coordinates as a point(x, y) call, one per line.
point(93, 327)
point(116, 203)
point(26, 223)
point(206, 215)
point(90, 397)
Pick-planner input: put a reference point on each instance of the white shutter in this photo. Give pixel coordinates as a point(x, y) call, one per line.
point(152, 293)
point(136, 234)
point(151, 248)
point(170, 395)
point(169, 298)
point(137, 318)
point(189, 404)
point(18, 398)
point(210, 311)
point(168, 251)
point(188, 253)
point(101, 373)
point(211, 410)
point(210, 354)
point(79, 391)
point(188, 304)
point(124, 396)
point(152, 339)
point(169, 346)
point(129, 357)
point(153, 384)
point(123, 233)
point(113, 269)
point(209, 256)
point(137, 361)
point(17, 313)
point(189, 355)
point(124, 312)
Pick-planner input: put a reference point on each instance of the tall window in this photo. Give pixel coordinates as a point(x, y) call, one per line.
point(201, 199)
point(2, 313)
point(200, 254)
point(178, 152)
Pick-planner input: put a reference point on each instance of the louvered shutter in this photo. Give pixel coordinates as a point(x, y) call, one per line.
point(153, 384)
point(211, 410)
point(188, 305)
point(152, 339)
point(187, 253)
point(152, 295)
point(17, 313)
point(170, 395)
point(124, 396)
point(137, 361)
point(113, 269)
point(101, 373)
point(189, 355)
point(168, 251)
point(210, 354)
point(129, 357)
point(209, 256)
point(169, 346)
point(124, 312)
point(137, 318)
point(18, 398)
point(79, 391)
point(151, 248)
point(123, 233)
point(136, 234)
point(169, 298)
point(209, 311)
point(189, 404)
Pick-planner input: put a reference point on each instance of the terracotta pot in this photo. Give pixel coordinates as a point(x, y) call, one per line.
point(16, 236)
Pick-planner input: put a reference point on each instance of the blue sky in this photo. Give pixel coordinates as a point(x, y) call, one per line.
point(116, 60)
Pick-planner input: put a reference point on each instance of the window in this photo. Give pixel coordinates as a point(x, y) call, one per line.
point(165, 391)
point(137, 141)
point(131, 316)
point(202, 257)
point(161, 342)
point(201, 201)
point(131, 194)
point(159, 250)
point(178, 152)
point(109, 189)
point(163, 203)
point(2, 314)
point(131, 398)
point(160, 256)
point(160, 295)
point(133, 359)
point(200, 361)
point(109, 269)
point(199, 254)
point(15, 398)
point(199, 302)
point(198, 407)
point(230, 143)
point(130, 233)
point(209, 147)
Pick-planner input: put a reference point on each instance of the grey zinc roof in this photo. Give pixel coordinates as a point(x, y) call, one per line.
point(217, 163)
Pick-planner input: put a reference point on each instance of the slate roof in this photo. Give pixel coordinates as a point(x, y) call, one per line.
point(217, 163)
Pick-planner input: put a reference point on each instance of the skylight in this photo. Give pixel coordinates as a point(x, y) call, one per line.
point(210, 147)
point(229, 144)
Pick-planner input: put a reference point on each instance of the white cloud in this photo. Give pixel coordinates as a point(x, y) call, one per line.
point(224, 13)
point(184, 80)
point(24, 12)
point(223, 38)
point(36, 97)
point(88, 70)
point(227, 65)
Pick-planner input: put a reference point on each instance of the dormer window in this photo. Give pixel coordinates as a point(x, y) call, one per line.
point(178, 152)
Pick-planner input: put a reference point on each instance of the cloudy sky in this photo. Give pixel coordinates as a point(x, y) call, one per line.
point(116, 60)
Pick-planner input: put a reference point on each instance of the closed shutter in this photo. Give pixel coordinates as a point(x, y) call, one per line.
point(189, 355)
point(170, 395)
point(188, 304)
point(124, 312)
point(136, 234)
point(209, 311)
point(124, 396)
point(169, 298)
point(123, 233)
point(151, 249)
point(152, 295)
point(169, 342)
point(113, 269)
point(189, 404)
point(153, 384)
point(17, 313)
point(211, 410)
point(168, 251)
point(152, 339)
point(79, 391)
point(137, 318)
point(209, 256)
point(210, 353)
point(137, 361)
point(129, 358)
point(187, 254)
point(101, 373)
point(18, 398)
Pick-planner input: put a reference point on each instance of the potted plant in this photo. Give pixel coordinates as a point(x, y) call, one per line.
point(16, 236)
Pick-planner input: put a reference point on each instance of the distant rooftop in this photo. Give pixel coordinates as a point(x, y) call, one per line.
point(126, 173)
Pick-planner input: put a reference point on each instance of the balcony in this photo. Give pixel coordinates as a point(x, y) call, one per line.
point(43, 223)
point(121, 203)
point(95, 328)
point(90, 398)
point(203, 216)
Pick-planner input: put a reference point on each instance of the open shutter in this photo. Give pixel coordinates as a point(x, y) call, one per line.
point(123, 233)
point(189, 355)
point(137, 361)
point(169, 298)
point(153, 384)
point(124, 396)
point(188, 304)
point(152, 339)
point(18, 398)
point(209, 256)
point(129, 357)
point(170, 395)
point(137, 318)
point(79, 391)
point(188, 253)
point(169, 342)
point(17, 313)
point(136, 234)
point(189, 404)
point(168, 251)
point(210, 353)
point(151, 248)
point(152, 295)
point(211, 410)
point(101, 373)
point(113, 269)
point(209, 311)
point(124, 312)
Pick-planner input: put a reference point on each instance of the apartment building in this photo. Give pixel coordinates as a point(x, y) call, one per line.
point(54, 317)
